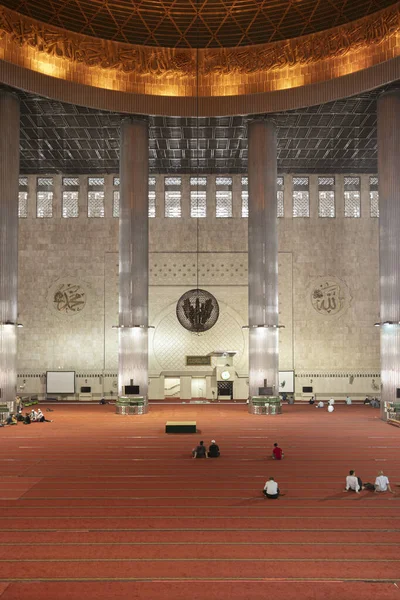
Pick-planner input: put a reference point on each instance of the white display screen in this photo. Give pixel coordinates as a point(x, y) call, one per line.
point(286, 382)
point(60, 382)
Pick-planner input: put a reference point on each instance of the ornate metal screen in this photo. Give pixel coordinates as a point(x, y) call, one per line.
point(374, 196)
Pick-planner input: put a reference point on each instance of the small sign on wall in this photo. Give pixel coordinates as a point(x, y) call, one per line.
point(286, 382)
point(198, 361)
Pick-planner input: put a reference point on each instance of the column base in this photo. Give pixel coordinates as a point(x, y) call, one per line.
point(265, 405)
point(131, 406)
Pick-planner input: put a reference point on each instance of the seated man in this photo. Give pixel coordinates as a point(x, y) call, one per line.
point(33, 415)
point(41, 418)
point(320, 404)
point(382, 484)
point(27, 419)
point(200, 451)
point(348, 400)
point(353, 482)
point(11, 420)
point(277, 453)
point(311, 400)
point(213, 450)
point(331, 402)
point(271, 489)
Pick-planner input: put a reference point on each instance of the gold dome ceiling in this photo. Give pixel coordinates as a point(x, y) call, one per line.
point(173, 23)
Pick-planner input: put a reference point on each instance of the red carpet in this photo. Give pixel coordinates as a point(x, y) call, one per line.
point(96, 505)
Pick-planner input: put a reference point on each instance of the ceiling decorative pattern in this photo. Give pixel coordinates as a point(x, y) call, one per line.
point(331, 138)
point(196, 23)
point(210, 71)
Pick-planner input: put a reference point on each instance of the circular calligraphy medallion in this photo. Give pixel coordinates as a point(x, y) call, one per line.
point(67, 297)
point(197, 310)
point(329, 296)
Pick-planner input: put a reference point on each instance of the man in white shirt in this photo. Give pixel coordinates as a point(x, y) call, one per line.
point(353, 482)
point(271, 489)
point(348, 400)
point(331, 402)
point(320, 404)
point(382, 483)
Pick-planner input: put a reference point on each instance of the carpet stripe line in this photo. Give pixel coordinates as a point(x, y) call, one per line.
point(197, 517)
point(160, 560)
point(237, 498)
point(153, 530)
point(268, 543)
point(202, 579)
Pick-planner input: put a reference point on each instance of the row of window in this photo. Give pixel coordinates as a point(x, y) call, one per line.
point(198, 197)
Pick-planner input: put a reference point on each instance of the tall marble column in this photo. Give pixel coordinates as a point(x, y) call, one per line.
point(9, 171)
point(133, 256)
point(389, 241)
point(263, 258)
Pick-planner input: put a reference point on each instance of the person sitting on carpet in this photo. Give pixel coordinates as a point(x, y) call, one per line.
point(353, 482)
point(33, 415)
point(320, 404)
point(382, 484)
point(27, 419)
point(311, 400)
point(11, 420)
point(200, 451)
point(277, 453)
point(41, 418)
point(271, 489)
point(213, 450)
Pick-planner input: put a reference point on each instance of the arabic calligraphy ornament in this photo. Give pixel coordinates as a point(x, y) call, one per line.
point(69, 298)
point(197, 310)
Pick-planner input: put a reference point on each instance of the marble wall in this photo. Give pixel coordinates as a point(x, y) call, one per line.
point(68, 288)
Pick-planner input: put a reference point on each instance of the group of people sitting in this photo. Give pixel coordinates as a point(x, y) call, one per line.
point(321, 404)
point(271, 488)
point(201, 451)
point(37, 416)
point(374, 402)
point(27, 419)
point(381, 484)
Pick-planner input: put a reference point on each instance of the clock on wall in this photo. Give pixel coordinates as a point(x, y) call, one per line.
point(225, 375)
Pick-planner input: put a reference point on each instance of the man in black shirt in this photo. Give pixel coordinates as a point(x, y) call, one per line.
point(213, 450)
